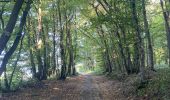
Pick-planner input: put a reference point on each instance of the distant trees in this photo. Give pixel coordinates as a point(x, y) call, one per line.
point(121, 32)
point(53, 40)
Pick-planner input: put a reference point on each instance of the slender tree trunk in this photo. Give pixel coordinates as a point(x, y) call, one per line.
point(33, 69)
point(70, 53)
point(146, 27)
point(45, 45)
point(40, 73)
point(62, 50)
point(40, 65)
point(7, 87)
point(54, 43)
point(31, 53)
point(75, 48)
point(167, 26)
point(1, 18)
point(15, 63)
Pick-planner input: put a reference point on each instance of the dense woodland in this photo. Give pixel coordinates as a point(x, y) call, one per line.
point(55, 39)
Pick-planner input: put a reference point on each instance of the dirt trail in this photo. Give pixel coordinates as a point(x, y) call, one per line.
point(82, 87)
point(90, 89)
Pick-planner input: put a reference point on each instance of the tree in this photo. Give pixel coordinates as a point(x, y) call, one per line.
point(17, 39)
point(140, 56)
point(146, 27)
point(167, 27)
point(11, 24)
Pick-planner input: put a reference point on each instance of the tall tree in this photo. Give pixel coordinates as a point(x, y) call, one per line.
point(62, 49)
point(140, 61)
point(17, 39)
point(146, 27)
point(167, 26)
point(10, 25)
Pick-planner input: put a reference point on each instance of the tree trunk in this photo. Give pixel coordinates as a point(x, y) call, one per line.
point(1, 18)
point(15, 63)
point(10, 25)
point(167, 27)
point(54, 44)
point(33, 69)
point(139, 46)
point(45, 45)
point(17, 39)
point(62, 50)
point(146, 27)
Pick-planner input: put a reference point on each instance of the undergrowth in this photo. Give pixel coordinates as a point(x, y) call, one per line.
point(158, 87)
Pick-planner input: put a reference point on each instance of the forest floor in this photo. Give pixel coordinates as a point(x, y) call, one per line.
point(81, 87)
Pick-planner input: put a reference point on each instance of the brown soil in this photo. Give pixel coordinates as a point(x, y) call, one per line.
point(82, 87)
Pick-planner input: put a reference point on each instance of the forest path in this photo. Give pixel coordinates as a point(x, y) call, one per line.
point(82, 87)
point(90, 89)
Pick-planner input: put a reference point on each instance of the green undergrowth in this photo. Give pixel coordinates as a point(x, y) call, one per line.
point(158, 87)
